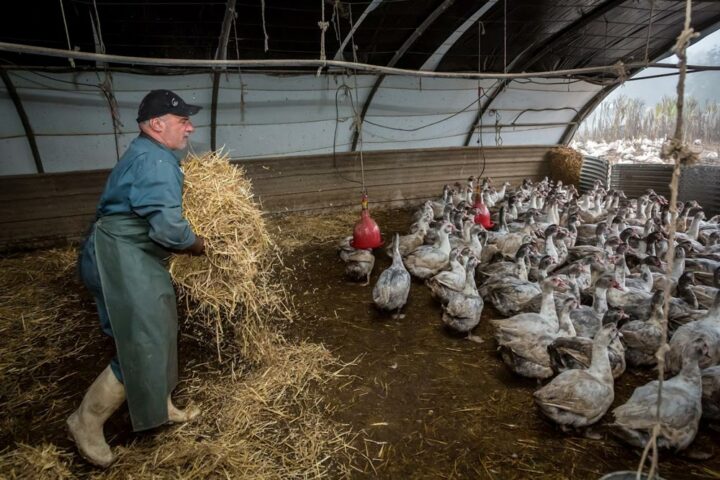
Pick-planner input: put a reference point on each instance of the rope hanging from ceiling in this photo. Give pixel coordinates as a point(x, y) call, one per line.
point(323, 28)
point(682, 155)
point(67, 33)
point(264, 26)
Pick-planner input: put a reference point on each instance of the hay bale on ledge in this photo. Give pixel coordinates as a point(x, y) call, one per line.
point(565, 164)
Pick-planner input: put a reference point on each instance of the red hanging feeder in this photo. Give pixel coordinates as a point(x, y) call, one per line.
point(482, 214)
point(366, 233)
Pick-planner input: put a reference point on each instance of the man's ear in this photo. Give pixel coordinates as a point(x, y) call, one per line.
point(156, 124)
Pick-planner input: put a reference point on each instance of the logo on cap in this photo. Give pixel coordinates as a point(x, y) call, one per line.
point(174, 102)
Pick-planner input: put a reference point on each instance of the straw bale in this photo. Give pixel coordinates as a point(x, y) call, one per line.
point(565, 164)
point(229, 292)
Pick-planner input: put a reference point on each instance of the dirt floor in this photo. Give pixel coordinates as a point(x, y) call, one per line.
point(438, 406)
point(422, 402)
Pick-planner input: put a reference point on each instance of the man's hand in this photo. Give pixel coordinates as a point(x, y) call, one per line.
point(197, 248)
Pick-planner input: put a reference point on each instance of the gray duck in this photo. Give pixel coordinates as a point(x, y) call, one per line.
point(580, 397)
point(393, 286)
point(680, 410)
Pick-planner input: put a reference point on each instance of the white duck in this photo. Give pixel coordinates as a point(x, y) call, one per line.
point(393, 285)
point(578, 398)
point(680, 409)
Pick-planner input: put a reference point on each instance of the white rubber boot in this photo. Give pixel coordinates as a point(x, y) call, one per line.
point(85, 425)
point(175, 415)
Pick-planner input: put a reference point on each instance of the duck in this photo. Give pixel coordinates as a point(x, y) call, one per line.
point(705, 294)
point(661, 280)
point(587, 320)
point(359, 265)
point(359, 262)
point(427, 260)
point(576, 352)
point(411, 241)
point(645, 281)
point(643, 338)
point(439, 205)
point(680, 410)
point(393, 286)
point(708, 328)
point(578, 398)
point(463, 310)
point(544, 320)
point(711, 393)
point(444, 282)
point(636, 303)
point(509, 294)
point(525, 350)
point(503, 268)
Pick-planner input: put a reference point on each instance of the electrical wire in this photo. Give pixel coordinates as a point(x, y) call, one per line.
point(464, 109)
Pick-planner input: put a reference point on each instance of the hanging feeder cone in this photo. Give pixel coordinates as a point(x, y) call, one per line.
point(482, 214)
point(366, 233)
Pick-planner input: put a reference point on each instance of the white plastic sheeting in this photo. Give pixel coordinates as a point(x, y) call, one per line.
point(276, 115)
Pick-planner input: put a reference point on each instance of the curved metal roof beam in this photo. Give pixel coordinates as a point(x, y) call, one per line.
point(434, 60)
point(373, 5)
point(530, 56)
point(398, 55)
point(591, 104)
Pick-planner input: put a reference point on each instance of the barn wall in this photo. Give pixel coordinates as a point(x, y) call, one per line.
point(697, 182)
point(268, 116)
point(41, 210)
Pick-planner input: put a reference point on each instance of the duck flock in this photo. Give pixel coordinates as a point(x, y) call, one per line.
point(580, 281)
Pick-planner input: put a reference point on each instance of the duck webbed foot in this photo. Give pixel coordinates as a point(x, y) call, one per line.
point(474, 338)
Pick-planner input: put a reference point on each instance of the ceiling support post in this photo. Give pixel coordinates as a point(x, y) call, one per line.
point(29, 134)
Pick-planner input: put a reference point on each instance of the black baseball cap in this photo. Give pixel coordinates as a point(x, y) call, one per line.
point(160, 102)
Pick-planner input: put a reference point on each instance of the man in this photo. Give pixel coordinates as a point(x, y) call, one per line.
point(123, 264)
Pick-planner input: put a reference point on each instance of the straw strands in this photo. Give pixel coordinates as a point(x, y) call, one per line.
point(45, 461)
point(230, 289)
point(263, 416)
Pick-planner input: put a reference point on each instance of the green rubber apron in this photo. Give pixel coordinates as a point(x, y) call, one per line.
point(141, 305)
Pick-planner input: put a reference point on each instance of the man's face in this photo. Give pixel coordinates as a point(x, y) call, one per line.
point(174, 130)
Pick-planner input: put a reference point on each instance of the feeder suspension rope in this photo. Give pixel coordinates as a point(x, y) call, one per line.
point(681, 155)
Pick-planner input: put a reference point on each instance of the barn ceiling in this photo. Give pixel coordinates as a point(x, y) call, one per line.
point(463, 35)
point(287, 110)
